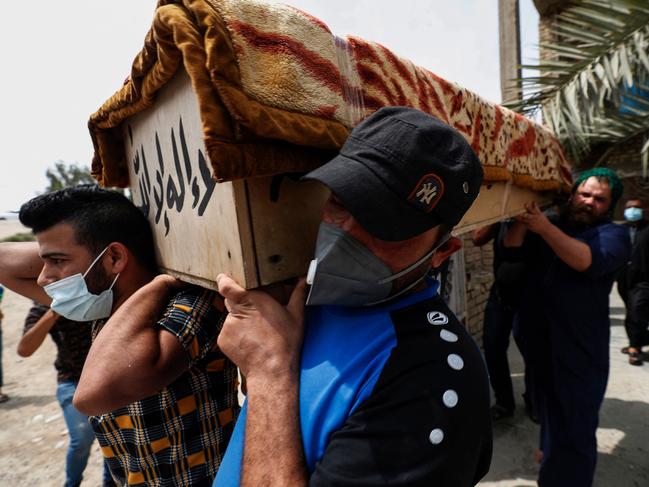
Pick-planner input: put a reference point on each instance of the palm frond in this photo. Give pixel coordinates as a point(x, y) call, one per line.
point(594, 86)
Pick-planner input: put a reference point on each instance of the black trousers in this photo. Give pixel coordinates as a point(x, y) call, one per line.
point(637, 315)
point(568, 407)
point(498, 323)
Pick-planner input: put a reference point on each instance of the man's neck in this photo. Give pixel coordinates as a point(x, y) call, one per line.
point(130, 284)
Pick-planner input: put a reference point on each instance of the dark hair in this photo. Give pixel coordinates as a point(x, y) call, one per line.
point(635, 198)
point(98, 216)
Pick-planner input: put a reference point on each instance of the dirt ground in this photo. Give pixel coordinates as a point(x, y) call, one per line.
point(33, 436)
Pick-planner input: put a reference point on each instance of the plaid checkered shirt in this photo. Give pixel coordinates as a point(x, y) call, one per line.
point(179, 435)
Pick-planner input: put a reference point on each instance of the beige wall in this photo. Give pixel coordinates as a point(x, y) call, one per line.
point(479, 277)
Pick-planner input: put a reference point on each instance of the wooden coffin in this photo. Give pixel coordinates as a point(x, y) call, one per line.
point(260, 230)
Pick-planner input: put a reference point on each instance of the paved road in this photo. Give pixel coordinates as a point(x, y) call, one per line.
point(623, 436)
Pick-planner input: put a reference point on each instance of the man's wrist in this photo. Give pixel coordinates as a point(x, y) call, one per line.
point(276, 376)
point(546, 230)
point(266, 390)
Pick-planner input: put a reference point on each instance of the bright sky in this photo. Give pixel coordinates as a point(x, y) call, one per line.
point(62, 60)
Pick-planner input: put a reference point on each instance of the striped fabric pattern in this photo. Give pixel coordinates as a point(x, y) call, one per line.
point(279, 92)
point(179, 435)
point(289, 59)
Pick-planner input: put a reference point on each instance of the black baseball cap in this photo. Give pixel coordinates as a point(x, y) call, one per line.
point(402, 172)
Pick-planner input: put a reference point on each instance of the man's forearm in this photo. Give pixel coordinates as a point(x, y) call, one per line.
point(20, 266)
point(264, 339)
point(131, 357)
point(571, 251)
point(483, 235)
point(273, 425)
point(33, 339)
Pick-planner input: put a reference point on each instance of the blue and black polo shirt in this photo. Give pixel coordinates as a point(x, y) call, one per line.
point(394, 394)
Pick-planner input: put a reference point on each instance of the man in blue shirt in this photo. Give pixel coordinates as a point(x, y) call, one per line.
point(389, 388)
point(572, 260)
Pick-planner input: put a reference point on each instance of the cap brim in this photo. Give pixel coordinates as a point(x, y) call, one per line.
point(373, 204)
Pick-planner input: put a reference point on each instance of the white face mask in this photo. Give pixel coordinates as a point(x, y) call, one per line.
point(72, 300)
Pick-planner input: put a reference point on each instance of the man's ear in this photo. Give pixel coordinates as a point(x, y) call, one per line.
point(118, 256)
point(451, 246)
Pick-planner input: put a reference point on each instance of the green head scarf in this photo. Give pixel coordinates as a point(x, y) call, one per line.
point(609, 175)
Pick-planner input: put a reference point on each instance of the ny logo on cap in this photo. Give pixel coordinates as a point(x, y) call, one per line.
point(427, 192)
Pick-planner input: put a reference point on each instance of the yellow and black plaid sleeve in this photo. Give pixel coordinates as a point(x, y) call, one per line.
point(192, 318)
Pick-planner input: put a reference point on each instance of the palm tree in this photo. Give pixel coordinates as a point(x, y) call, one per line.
point(593, 87)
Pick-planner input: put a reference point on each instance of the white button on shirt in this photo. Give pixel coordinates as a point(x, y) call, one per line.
point(455, 361)
point(436, 436)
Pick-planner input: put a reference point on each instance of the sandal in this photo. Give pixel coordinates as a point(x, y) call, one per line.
point(635, 358)
point(3, 398)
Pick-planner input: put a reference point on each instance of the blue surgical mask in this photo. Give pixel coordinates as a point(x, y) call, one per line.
point(633, 214)
point(72, 300)
point(346, 273)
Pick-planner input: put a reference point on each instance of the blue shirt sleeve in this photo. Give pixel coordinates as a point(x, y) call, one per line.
point(229, 473)
point(610, 247)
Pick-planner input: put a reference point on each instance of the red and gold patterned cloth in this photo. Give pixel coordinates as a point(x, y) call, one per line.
point(278, 92)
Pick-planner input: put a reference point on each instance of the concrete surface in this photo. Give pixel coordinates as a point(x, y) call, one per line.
point(623, 435)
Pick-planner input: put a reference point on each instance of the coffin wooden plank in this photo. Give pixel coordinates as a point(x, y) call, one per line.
point(496, 202)
point(259, 230)
point(201, 228)
point(285, 218)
